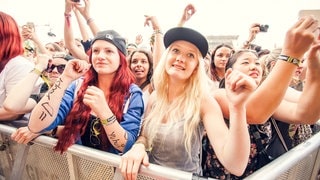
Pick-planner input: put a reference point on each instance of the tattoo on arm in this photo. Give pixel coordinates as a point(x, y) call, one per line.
point(115, 140)
point(48, 110)
point(54, 87)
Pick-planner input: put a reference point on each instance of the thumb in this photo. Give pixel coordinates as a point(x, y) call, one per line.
point(145, 160)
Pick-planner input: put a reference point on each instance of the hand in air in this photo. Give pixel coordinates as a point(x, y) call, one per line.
point(75, 68)
point(238, 86)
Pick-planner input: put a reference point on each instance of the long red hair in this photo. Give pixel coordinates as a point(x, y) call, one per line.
point(76, 123)
point(10, 39)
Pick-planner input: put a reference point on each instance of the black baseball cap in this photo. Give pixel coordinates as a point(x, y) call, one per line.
point(112, 37)
point(187, 34)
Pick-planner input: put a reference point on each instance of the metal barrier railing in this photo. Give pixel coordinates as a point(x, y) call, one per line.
point(39, 161)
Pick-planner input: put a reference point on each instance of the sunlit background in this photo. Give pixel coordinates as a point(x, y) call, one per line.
point(213, 17)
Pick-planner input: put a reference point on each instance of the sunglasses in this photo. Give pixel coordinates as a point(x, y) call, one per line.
point(60, 68)
point(95, 131)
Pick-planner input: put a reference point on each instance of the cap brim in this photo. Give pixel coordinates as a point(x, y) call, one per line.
point(187, 34)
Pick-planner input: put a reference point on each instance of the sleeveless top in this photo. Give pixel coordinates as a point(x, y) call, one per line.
point(168, 148)
point(214, 169)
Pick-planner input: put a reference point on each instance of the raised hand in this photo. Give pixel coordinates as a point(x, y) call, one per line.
point(239, 86)
point(76, 68)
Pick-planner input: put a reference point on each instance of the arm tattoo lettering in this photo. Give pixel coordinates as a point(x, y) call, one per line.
point(48, 111)
point(54, 87)
point(115, 140)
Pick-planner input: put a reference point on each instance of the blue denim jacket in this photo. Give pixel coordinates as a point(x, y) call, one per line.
point(131, 119)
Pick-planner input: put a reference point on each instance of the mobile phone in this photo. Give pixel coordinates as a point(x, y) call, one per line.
point(264, 28)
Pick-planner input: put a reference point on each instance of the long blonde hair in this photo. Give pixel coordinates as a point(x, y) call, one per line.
point(186, 106)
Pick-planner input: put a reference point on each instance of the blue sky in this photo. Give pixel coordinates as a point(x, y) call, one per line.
point(213, 17)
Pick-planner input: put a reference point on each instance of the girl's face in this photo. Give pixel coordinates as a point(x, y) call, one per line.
point(221, 57)
point(140, 65)
point(249, 64)
point(182, 60)
point(56, 68)
point(105, 57)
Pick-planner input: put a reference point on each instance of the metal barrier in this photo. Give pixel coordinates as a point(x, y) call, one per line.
point(38, 161)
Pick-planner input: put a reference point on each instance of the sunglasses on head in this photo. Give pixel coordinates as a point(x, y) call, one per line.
point(60, 68)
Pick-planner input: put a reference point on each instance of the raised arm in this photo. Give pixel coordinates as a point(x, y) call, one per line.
point(188, 12)
point(68, 33)
point(307, 109)
point(232, 145)
point(158, 45)
point(47, 109)
point(19, 101)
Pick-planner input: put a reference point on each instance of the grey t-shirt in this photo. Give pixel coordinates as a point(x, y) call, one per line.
point(168, 148)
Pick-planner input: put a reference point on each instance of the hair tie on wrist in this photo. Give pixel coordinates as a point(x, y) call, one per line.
point(90, 20)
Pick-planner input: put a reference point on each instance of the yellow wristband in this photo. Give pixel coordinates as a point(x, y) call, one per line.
point(36, 71)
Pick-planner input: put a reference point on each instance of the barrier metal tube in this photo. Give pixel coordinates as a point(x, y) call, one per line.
point(286, 161)
point(155, 171)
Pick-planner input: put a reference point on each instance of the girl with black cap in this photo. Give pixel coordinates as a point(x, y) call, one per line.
point(181, 107)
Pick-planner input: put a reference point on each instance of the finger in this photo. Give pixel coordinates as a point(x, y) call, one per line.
point(145, 161)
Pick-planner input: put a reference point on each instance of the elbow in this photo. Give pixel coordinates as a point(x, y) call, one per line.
point(238, 170)
point(10, 108)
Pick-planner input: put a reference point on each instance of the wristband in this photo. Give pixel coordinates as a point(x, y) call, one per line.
point(289, 59)
point(67, 15)
point(108, 121)
point(90, 20)
point(36, 71)
point(158, 31)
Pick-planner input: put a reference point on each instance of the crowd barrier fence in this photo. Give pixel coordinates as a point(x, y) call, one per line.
point(38, 161)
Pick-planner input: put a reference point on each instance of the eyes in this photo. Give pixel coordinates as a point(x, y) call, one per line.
point(247, 62)
point(136, 61)
point(176, 51)
point(107, 51)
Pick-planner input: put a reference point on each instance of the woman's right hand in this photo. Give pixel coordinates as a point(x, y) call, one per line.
point(300, 37)
point(131, 161)
point(75, 68)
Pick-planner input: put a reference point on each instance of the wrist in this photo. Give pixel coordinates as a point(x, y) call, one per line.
point(89, 20)
point(157, 31)
point(290, 59)
point(67, 14)
point(36, 71)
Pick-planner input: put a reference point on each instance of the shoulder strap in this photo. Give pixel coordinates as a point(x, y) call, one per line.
point(275, 125)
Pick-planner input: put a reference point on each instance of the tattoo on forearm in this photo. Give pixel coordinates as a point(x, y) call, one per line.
point(48, 111)
point(54, 87)
point(115, 140)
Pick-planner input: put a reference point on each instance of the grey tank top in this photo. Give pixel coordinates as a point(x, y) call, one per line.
point(168, 148)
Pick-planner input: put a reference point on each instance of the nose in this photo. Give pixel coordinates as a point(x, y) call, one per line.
point(180, 58)
point(253, 66)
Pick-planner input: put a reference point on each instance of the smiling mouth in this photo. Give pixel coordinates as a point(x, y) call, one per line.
point(179, 67)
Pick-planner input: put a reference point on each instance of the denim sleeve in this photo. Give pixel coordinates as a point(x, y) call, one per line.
point(131, 120)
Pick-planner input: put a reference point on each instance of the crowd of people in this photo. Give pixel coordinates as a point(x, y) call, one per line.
point(220, 113)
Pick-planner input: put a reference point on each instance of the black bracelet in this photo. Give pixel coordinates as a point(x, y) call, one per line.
point(54, 132)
